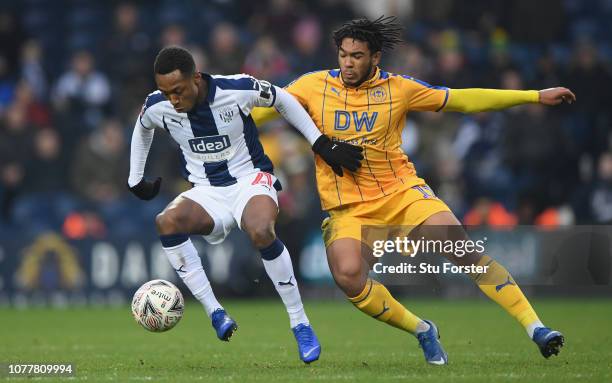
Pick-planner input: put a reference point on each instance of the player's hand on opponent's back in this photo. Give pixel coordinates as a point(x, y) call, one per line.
point(338, 154)
point(555, 96)
point(146, 190)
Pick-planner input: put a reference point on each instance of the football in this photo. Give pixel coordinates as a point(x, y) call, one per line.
point(158, 305)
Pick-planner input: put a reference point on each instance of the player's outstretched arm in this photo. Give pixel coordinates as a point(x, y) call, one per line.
point(481, 100)
point(139, 150)
point(338, 155)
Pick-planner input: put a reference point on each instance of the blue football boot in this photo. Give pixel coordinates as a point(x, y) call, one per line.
point(308, 344)
point(549, 341)
point(432, 348)
point(223, 324)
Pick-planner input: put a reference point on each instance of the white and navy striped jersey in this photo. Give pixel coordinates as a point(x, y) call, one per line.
point(218, 138)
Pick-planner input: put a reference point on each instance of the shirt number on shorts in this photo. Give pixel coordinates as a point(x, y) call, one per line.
point(263, 178)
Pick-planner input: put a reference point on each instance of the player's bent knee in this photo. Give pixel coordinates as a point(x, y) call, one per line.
point(261, 234)
point(350, 279)
point(168, 222)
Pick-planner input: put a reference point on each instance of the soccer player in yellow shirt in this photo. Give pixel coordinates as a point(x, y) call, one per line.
point(361, 104)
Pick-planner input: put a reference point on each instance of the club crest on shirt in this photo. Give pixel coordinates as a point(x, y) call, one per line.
point(226, 114)
point(378, 94)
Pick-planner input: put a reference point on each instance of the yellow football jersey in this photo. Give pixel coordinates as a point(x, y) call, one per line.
point(371, 116)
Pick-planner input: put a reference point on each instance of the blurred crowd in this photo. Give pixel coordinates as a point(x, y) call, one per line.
point(74, 75)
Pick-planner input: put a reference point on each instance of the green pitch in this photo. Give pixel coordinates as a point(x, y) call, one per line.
point(483, 343)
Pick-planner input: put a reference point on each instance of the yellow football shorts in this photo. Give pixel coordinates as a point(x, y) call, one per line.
point(408, 207)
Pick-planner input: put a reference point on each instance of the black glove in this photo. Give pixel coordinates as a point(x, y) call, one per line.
point(146, 190)
point(338, 154)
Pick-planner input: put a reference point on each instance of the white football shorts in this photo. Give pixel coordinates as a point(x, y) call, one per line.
point(225, 204)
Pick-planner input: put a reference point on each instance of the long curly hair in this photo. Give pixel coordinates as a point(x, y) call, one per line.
point(380, 34)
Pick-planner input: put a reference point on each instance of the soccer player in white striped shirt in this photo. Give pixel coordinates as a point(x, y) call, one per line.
point(233, 181)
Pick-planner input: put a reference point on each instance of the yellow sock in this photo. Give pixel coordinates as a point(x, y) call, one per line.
point(376, 301)
point(498, 284)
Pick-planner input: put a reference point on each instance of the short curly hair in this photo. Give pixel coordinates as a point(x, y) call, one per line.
point(172, 58)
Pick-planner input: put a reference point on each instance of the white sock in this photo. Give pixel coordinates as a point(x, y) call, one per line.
point(422, 327)
point(188, 265)
point(280, 271)
point(532, 326)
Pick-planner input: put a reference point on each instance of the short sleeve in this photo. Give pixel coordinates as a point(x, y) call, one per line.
point(266, 94)
point(257, 92)
point(144, 119)
point(301, 89)
point(420, 96)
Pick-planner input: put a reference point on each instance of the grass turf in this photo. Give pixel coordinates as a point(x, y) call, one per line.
point(483, 343)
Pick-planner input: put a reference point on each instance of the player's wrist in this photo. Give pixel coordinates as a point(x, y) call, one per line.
point(133, 181)
point(320, 143)
point(314, 137)
point(535, 96)
point(146, 190)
